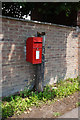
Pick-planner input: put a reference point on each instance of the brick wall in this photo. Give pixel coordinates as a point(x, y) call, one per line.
point(61, 53)
point(78, 23)
point(79, 54)
point(0, 57)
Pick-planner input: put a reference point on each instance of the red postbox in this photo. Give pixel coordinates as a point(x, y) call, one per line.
point(34, 50)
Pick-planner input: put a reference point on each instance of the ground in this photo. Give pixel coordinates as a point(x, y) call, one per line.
point(74, 113)
point(51, 110)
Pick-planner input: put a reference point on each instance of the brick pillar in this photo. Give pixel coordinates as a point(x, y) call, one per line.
point(78, 24)
point(79, 53)
point(78, 18)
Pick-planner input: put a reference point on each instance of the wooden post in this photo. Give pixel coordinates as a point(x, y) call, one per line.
point(39, 84)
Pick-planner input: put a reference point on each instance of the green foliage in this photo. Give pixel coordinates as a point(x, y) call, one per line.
point(63, 12)
point(7, 110)
point(67, 87)
point(25, 93)
point(78, 104)
point(18, 9)
point(17, 104)
point(56, 114)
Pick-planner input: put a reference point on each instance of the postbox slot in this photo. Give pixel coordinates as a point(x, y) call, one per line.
point(38, 42)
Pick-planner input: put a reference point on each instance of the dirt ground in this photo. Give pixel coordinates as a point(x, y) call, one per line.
point(48, 110)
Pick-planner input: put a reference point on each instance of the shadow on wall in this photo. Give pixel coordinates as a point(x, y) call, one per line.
point(61, 59)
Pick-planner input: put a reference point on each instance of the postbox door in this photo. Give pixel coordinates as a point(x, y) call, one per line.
point(37, 55)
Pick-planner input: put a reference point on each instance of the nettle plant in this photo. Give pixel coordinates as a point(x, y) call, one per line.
point(16, 104)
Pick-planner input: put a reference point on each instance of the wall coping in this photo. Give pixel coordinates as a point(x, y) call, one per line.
point(38, 22)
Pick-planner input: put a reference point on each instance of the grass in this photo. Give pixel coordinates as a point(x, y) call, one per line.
point(16, 104)
point(78, 104)
point(56, 114)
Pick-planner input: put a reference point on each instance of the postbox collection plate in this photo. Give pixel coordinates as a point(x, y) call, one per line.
point(37, 54)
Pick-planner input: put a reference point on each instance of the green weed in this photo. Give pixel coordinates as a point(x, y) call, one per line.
point(56, 114)
point(78, 104)
point(16, 104)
